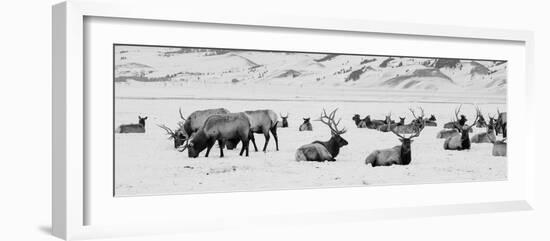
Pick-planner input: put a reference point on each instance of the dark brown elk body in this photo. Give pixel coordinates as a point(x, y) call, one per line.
point(306, 126)
point(220, 128)
point(195, 120)
point(373, 124)
point(324, 150)
point(133, 128)
point(263, 122)
point(398, 155)
point(501, 124)
point(462, 141)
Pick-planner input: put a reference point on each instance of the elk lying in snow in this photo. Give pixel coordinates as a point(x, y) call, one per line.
point(430, 121)
point(225, 127)
point(462, 141)
point(398, 155)
point(446, 133)
point(460, 121)
point(373, 124)
point(284, 122)
point(262, 122)
point(499, 147)
point(306, 126)
point(481, 120)
point(358, 121)
point(487, 136)
point(133, 128)
point(324, 150)
point(389, 124)
point(414, 126)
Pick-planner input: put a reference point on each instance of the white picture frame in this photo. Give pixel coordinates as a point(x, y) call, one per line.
point(70, 211)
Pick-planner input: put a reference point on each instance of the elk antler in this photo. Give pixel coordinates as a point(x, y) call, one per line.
point(168, 130)
point(181, 115)
point(329, 121)
point(475, 121)
point(457, 112)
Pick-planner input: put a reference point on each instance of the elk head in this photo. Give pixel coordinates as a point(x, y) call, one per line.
point(333, 126)
point(306, 120)
point(401, 120)
point(432, 118)
point(285, 119)
point(481, 120)
point(419, 120)
point(142, 120)
point(195, 144)
point(178, 136)
point(463, 128)
point(405, 155)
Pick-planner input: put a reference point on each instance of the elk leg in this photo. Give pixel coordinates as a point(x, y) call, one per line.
point(274, 132)
point(220, 143)
point(266, 135)
point(210, 145)
point(253, 141)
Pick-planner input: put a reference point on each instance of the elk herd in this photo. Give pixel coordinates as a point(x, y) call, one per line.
point(202, 129)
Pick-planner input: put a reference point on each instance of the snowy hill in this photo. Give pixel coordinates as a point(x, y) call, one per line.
point(147, 64)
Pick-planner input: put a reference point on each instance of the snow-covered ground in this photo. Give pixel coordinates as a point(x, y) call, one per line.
point(157, 81)
point(147, 164)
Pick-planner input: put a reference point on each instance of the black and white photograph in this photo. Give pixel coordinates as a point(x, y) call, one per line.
point(202, 120)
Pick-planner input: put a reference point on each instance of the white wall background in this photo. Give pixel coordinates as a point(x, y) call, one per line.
point(25, 114)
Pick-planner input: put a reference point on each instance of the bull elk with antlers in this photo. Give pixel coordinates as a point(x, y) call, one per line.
point(462, 141)
point(416, 124)
point(232, 127)
point(324, 150)
point(398, 155)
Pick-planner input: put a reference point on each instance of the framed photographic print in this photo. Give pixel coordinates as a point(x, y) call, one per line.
point(158, 119)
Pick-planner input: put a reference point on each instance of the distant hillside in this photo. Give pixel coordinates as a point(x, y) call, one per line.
point(302, 69)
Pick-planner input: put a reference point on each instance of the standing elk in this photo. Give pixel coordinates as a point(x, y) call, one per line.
point(133, 128)
point(324, 150)
point(284, 122)
point(398, 155)
point(501, 125)
point(220, 128)
point(306, 126)
point(195, 120)
point(462, 141)
point(262, 122)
